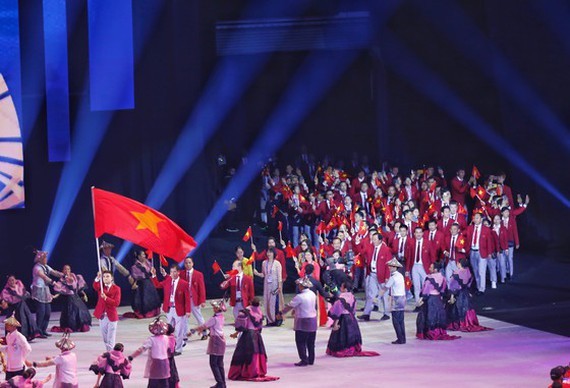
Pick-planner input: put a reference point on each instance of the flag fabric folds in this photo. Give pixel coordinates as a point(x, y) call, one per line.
point(248, 234)
point(130, 220)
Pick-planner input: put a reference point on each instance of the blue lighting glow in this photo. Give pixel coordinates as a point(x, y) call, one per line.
point(404, 63)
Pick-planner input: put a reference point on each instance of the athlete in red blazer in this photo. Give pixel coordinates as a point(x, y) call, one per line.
point(198, 294)
point(245, 285)
point(427, 255)
point(107, 305)
point(181, 293)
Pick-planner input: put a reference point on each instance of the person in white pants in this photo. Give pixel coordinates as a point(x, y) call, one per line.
point(176, 302)
point(106, 309)
point(197, 289)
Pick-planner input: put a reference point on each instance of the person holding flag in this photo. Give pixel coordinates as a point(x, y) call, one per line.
point(241, 288)
point(109, 298)
point(272, 289)
point(279, 255)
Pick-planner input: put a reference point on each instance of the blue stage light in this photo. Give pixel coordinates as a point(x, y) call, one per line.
point(456, 25)
point(90, 128)
point(404, 63)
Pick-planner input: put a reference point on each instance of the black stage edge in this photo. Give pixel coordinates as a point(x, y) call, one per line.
point(538, 296)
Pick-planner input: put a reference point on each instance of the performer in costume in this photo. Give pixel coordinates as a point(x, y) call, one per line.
point(431, 321)
point(26, 380)
point(106, 309)
point(74, 316)
point(397, 288)
point(109, 263)
point(40, 291)
point(113, 366)
point(461, 315)
point(65, 364)
point(157, 369)
point(145, 302)
point(304, 304)
point(16, 348)
point(15, 295)
point(217, 343)
point(345, 339)
point(249, 361)
point(174, 379)
point(272, 288)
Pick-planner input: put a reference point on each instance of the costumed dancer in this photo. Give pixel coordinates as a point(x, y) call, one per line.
point(345, 339)
point(174, 379)
point(75, 315)
point(397, 288)
point(15, 295)
point(40, 291)
point(431, 321)
point(157, 369)
point(217, 342)
point(16, 347)
point(26, 380)
point(272, 288)
point(304, 304)
point(106, 309)
point(65, 364)
point(113, 366)
point(146, 302)
point(109, 263)
point(461, 314)
point(249, 361)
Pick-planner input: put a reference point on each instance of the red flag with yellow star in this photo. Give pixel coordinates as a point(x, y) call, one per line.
point(131, 220)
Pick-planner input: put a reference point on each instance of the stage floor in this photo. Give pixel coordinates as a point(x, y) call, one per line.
point(509, 356)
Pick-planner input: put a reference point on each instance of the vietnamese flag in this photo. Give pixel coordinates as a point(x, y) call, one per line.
point(289, 251)
point(163, 261)
point(475, 172)
point(251, 259)
point(216, 267)
point(248, 234)
point(232, 272)
point(131, 220)
point(275, 211)
point(279, 226)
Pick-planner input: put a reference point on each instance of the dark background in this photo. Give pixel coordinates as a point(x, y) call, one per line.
point(371, 110)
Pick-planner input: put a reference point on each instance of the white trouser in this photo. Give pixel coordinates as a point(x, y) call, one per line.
point(503, 264)
point(109, 332)
point(492, 263)
point(372, 288)
point(481, 285)
point(179, 327)
point(197, 313)
point(237, 308)
point(510, 253)
point(418, 277)
point(449, 268)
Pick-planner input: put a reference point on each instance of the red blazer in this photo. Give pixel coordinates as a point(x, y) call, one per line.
point(462, 221)
point(110, 305)
point(247, 292)
point(407, 246)
point(181, 295)
point(486, 243)
point(438, 242)
point(502, 239)
point(445, 229)
point(415, 193)
point(384, 256)
point(357, 200)
point(355, 186)
point(459, 190)
point(198, 293)
point(280, 257)
point(512, 229)
point(427, 254)
point(411, 229)
point(458, 254)
point(322, 210)
point(363, 249)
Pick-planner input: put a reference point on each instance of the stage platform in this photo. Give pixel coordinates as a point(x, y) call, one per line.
point(509, 356)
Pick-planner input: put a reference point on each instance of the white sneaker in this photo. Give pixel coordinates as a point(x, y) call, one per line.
point(493, 284)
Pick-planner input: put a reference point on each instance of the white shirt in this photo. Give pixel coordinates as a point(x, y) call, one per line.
point(16, 348)
point(65, 368)
point(173, 291)
point(238, 289)
point(396, 284)
point(304, 304)
point(374, 258)
point(418, 254)
point(402, 246)
point(476, 237)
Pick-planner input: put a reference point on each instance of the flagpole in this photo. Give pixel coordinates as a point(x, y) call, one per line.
point(97, 241)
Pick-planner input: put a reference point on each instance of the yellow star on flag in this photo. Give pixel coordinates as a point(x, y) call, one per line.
point(148, 220)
